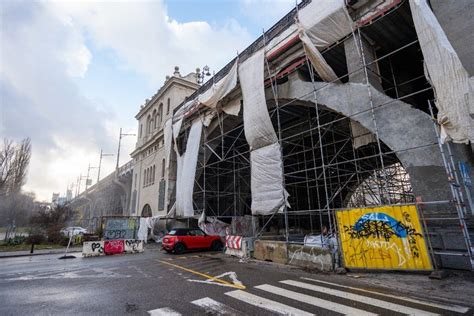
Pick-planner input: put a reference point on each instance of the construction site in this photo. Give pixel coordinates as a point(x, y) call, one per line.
point(347, 121)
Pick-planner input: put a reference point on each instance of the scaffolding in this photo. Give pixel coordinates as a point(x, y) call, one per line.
point(324, 169)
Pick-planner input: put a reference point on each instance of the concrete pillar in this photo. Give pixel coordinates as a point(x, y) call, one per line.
point(354, 62)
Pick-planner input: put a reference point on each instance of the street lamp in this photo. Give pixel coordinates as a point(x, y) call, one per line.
point(121, 135)
point(89, 181)
point(100, 163)
point(79, 180)
point(201, 75)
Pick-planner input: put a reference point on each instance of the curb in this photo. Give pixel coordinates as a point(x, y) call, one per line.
point(35, 254)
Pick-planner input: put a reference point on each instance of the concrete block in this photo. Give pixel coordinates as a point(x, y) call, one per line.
point(310, 257)
point(93, 248)
point(269, 250)
point(133, 246)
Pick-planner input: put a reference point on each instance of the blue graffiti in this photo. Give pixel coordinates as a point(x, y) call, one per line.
point(398, 229)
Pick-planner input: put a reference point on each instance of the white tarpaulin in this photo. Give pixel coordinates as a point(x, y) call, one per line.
point(142, 233)
point(446, 73)
point(267, 180)
point(232, 108)
point(317, 60)
point(268, 193)
point(214, 94)
point(258, 126)
point(325, 21)
point(186, 171)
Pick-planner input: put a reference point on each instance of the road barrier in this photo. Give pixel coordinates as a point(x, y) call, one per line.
point(111, 247)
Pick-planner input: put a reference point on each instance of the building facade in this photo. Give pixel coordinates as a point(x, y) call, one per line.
point(151, 181)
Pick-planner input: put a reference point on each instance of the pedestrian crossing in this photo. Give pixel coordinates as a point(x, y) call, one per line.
point(308, 296)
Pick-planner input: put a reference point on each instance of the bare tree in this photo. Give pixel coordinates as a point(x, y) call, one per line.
point(14, 161)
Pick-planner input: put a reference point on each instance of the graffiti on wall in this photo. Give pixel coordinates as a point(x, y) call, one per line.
point(388, 237)
point(120, 227)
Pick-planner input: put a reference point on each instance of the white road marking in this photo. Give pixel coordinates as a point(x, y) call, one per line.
point(449, 307)
point(232, 275)
point(343, 309)
point(267, 304)
point(165, 311)
point(215, 307)
point(360, 298)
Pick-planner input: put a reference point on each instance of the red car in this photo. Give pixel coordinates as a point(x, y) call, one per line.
point(182, 239)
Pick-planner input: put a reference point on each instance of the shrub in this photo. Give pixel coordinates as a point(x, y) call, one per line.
point(17, 240)
point(35, 239)
point(64, 241)
point(54, 236)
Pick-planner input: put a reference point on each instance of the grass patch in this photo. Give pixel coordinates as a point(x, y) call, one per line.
point(22, 247)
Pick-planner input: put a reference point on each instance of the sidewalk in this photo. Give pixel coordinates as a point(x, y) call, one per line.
point(25, 253)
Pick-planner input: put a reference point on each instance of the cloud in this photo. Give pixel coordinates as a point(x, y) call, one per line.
point(150, 42)
point(45, 51)
point(40, 57)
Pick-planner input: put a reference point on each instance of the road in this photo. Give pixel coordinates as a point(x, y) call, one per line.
point(202, 283)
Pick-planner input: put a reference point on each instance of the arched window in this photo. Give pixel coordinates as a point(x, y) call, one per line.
point(146, 211)
point(160, 112)
point(163, 168)
point(168, 107)
point(154, 119)
point(148, 124)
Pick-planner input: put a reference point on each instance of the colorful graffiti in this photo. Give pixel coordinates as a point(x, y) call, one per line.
point(112, 247)
point(388, 237)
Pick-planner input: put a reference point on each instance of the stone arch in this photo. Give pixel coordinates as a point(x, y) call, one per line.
point(146, 211)
point(404, 129)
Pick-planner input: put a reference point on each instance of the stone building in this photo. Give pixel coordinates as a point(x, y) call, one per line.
point(150, 180)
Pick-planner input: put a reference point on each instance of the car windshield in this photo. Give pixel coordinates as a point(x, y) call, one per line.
point(172, 232)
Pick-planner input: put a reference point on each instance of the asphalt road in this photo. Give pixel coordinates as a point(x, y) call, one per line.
point(203, 283)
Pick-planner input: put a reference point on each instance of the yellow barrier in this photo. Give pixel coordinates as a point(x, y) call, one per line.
point(387, 237)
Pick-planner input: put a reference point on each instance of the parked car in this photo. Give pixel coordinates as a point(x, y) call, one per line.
point(73, 230)
point(179, 240)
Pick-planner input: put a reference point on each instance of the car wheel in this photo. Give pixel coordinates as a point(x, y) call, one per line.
point(179, 248)
point(216, 245)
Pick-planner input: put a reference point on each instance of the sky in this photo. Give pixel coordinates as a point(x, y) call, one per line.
point(72, 73)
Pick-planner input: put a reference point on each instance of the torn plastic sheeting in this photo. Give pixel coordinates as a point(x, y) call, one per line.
point(213, 226)
point(325, 21)
point(317, 60)
point(446, 73)
point(142, 230)
point(186, 171)
point(281, 40)
point(361, 135)
point(232, 107)
point(186, 109)
point(219, 90)
point(267, 190)
point(258, 126)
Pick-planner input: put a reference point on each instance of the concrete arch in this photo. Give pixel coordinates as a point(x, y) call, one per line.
point(406, 130)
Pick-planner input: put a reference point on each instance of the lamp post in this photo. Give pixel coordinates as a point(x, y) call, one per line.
point(201, 75)
point(100, 163)
point(121, 135)
point(88, 172)
point(79, 180)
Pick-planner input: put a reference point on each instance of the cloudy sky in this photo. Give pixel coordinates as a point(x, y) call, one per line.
point(73, 72)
